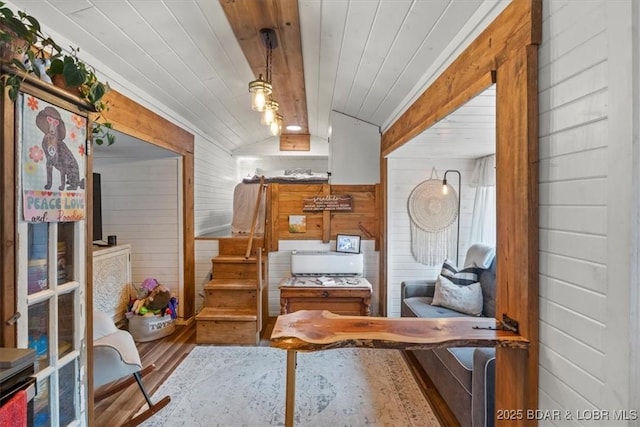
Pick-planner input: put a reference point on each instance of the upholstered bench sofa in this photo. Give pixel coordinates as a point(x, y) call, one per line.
point(464, 376)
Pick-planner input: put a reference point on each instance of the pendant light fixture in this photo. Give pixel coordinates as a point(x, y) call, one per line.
point(269, 114)
point(261, 89)
point(276, 125)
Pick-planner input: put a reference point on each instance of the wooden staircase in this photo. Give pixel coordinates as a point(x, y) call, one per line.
point(235, 300)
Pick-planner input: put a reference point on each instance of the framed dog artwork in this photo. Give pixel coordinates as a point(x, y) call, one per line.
point(52, 160)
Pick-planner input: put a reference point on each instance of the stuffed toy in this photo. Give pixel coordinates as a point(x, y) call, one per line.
point(152, 298)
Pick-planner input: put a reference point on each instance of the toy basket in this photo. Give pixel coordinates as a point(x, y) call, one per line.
point(149, 328)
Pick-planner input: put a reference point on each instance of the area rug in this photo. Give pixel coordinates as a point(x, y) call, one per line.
point(245, 386)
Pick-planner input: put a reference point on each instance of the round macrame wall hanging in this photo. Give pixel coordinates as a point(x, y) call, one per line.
point(432, 214)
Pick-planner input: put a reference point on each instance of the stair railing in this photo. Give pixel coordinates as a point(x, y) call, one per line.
point(255, 218)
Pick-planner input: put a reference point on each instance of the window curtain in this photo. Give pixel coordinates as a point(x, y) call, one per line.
point(483, 221)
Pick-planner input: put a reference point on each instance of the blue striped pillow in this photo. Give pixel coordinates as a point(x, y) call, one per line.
point(465, 277)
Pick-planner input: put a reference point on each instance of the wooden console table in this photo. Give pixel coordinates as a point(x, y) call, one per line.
point(356, 301)
point(313, 330)
point(302, 294)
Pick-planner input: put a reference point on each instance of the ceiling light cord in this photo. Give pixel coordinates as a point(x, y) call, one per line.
point(269, 56)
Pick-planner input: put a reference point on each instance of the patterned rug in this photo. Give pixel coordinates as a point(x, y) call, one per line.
point(245, 386)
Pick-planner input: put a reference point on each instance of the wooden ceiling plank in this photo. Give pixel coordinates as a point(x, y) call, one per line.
point(246, 18)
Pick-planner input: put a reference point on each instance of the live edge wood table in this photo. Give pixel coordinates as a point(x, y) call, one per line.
point(313, 330)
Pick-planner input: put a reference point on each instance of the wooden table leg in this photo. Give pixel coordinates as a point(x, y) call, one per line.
point(289, 409)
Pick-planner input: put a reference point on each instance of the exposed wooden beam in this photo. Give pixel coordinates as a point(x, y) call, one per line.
point(470, 73)
point(247, 18)
point(293, 142)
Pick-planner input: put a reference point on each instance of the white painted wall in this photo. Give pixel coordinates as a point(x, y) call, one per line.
point(354, 151)
point(634, 392)
point(319, 147)
point(205, 251)
point(140, 205)
point(586, 121)
point(403, 175)
point(215, 178)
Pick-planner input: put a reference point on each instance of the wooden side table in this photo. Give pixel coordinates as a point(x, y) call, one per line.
point(346, 301)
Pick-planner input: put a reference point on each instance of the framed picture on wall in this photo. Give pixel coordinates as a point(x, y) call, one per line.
point(348, 244)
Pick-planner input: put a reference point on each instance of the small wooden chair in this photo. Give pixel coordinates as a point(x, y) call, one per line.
point(115, 357)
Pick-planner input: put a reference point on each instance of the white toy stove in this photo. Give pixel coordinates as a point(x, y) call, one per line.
point(326, 268)
point(323, 280)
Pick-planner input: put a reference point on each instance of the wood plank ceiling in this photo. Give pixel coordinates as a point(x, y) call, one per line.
point(247, 18)
point(368, 59)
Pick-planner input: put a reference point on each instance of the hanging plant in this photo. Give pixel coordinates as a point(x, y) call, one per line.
point(24, 47)
point(70, 73)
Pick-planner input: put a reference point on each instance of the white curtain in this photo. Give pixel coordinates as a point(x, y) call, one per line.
point(483, 221)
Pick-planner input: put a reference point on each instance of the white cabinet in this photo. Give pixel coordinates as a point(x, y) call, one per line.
point(112, 280)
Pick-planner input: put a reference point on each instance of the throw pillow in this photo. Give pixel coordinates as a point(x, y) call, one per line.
point(466, 276)
point(463, 298)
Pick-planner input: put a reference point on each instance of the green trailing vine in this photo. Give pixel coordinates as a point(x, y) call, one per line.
point(25, 47)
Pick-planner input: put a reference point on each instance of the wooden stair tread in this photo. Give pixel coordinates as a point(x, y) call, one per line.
point(231, 284)
point(256, 237)
point(230, 314)
point(239, 259)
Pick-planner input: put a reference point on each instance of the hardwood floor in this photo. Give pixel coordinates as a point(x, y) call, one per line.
point(440, 408)
point(168, 352)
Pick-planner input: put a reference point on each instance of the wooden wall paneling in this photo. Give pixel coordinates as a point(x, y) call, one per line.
point(246, 18)
point(293, 142)
point(314, 231)
point(89, 287)
point(470, 73)
point(354, 224)
point(275, 217)
point(362, 220)
point(287, 199)
point(188, 227)
point(382, 230)
point(517, 218)
point(378, 198)
point(431, 112)
point(267, 220)
point(8, 224)
point(290, 199)
point(129, 117)
point(326, 217)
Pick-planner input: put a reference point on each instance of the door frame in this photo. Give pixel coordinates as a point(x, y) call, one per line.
point(506, 53)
